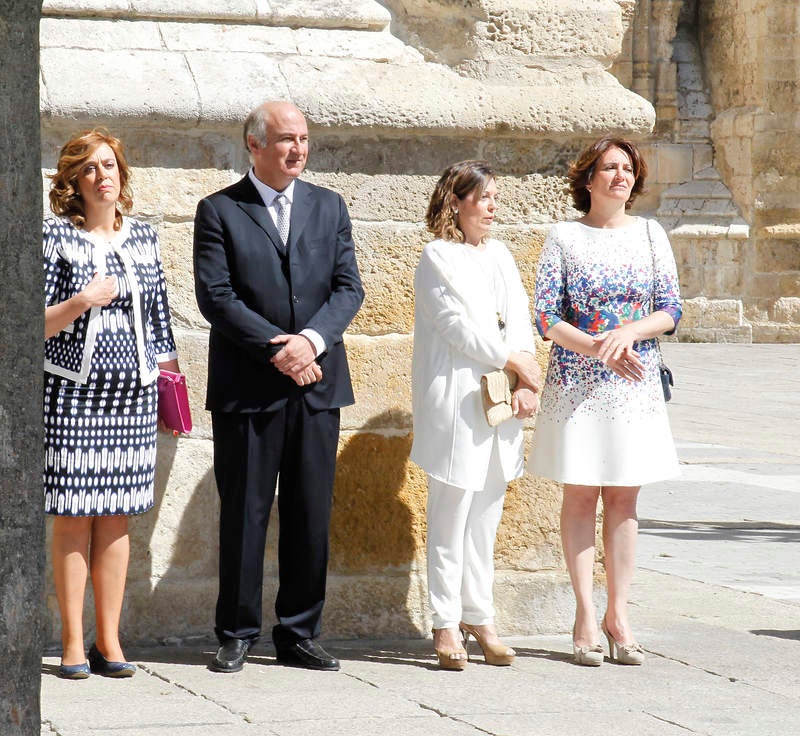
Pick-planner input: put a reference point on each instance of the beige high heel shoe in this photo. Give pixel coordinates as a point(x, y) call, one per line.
point(498, 655)
point(591, 656)
point(450, 659)
point(625, 653)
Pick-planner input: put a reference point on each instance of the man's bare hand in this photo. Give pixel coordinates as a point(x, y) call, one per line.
point(308, 375)
point(296, 354)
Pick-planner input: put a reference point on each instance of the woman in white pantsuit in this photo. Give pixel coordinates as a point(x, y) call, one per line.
point(471, 317)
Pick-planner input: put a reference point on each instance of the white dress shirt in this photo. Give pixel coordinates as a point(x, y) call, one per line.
point(270, 195)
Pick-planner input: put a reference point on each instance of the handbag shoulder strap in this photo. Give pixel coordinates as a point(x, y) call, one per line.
point(653, 262)
point(653, 284)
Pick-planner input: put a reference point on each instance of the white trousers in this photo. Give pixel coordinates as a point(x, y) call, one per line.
point(462, 525)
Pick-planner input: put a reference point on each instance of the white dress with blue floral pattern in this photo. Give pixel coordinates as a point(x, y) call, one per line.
point(595, 428)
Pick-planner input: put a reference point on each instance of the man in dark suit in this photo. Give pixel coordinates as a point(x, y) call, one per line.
point(276, 277)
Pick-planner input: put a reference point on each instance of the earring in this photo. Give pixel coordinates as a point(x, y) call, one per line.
point(455, 211)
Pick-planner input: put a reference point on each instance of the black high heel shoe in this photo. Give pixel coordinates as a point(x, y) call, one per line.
point(101, 666)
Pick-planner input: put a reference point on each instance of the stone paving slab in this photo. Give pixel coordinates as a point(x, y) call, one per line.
point(578, 724)
point(109, 704)
point(698, 678)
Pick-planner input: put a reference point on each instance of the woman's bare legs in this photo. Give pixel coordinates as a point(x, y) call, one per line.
point(70, 553)
point(578, 519)
point(109, 567)
point(620, 528)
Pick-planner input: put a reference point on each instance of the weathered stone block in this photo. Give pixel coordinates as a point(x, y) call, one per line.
point(763, 285)
point(787, 309)
point(380, 368)
point(771, 332)
point(213, 37)
point(230, 83)
point(525, 244)
point(387, 257)
point(375, 605)
point(381, 197)
point(703, 156)
point(539, 603)
point(143, 84)
point(99, 34)
point(692, 281)
point(85, 7)
point(703, 312)
point(378, 521)
point(722, 281)
point(675, 163)
point(366, 14)
point(773, 256)
point(551, 28)
point(176, 240)
point(380, 47)
point(529, 535)
point(788, 284)
point(741, 334)
point(172, 194)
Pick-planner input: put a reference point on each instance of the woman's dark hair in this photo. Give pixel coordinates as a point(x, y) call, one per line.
point(459, 179)
point(581, 171)
point(65, 198)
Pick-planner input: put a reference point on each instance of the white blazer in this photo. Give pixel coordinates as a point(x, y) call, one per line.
point(456, 339)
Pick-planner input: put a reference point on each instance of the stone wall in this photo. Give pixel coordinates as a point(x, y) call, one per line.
point(21, 355)
point(389, 106)
point(394, 92)
point(751, 51)
point(722, 77)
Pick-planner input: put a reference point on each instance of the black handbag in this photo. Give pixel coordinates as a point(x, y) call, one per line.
point(667, 380)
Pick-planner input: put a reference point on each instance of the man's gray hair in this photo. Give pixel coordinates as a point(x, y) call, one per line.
point(255, 125)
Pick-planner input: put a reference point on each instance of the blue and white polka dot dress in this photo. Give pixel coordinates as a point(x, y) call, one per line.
point(100, 435)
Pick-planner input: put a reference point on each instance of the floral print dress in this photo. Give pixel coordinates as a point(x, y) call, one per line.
point(595, 428)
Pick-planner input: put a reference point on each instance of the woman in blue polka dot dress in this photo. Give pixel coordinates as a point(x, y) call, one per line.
point(107, 333)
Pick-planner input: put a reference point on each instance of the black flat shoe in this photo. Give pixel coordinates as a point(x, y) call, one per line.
point(231, 656)
point(74, 671)
point(101, 666)
point(306, 653)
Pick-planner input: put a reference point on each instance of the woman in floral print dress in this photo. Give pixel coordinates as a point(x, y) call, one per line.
point(606, 286)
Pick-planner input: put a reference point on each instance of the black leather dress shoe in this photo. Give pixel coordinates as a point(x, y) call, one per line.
point(231, 656)
point(306, 653)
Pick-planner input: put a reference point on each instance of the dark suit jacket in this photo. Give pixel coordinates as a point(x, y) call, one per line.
point(250, 288)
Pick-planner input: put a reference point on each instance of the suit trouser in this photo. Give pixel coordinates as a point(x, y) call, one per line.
point(462, 525)
point(251, 452)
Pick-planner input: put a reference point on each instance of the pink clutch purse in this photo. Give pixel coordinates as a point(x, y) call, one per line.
point(173, 402)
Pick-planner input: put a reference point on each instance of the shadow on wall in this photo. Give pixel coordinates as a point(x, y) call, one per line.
point(377, 535)
point(376, 584)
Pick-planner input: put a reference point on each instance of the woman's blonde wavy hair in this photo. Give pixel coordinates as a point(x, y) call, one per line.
point(459, 179)
point(65, 198)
